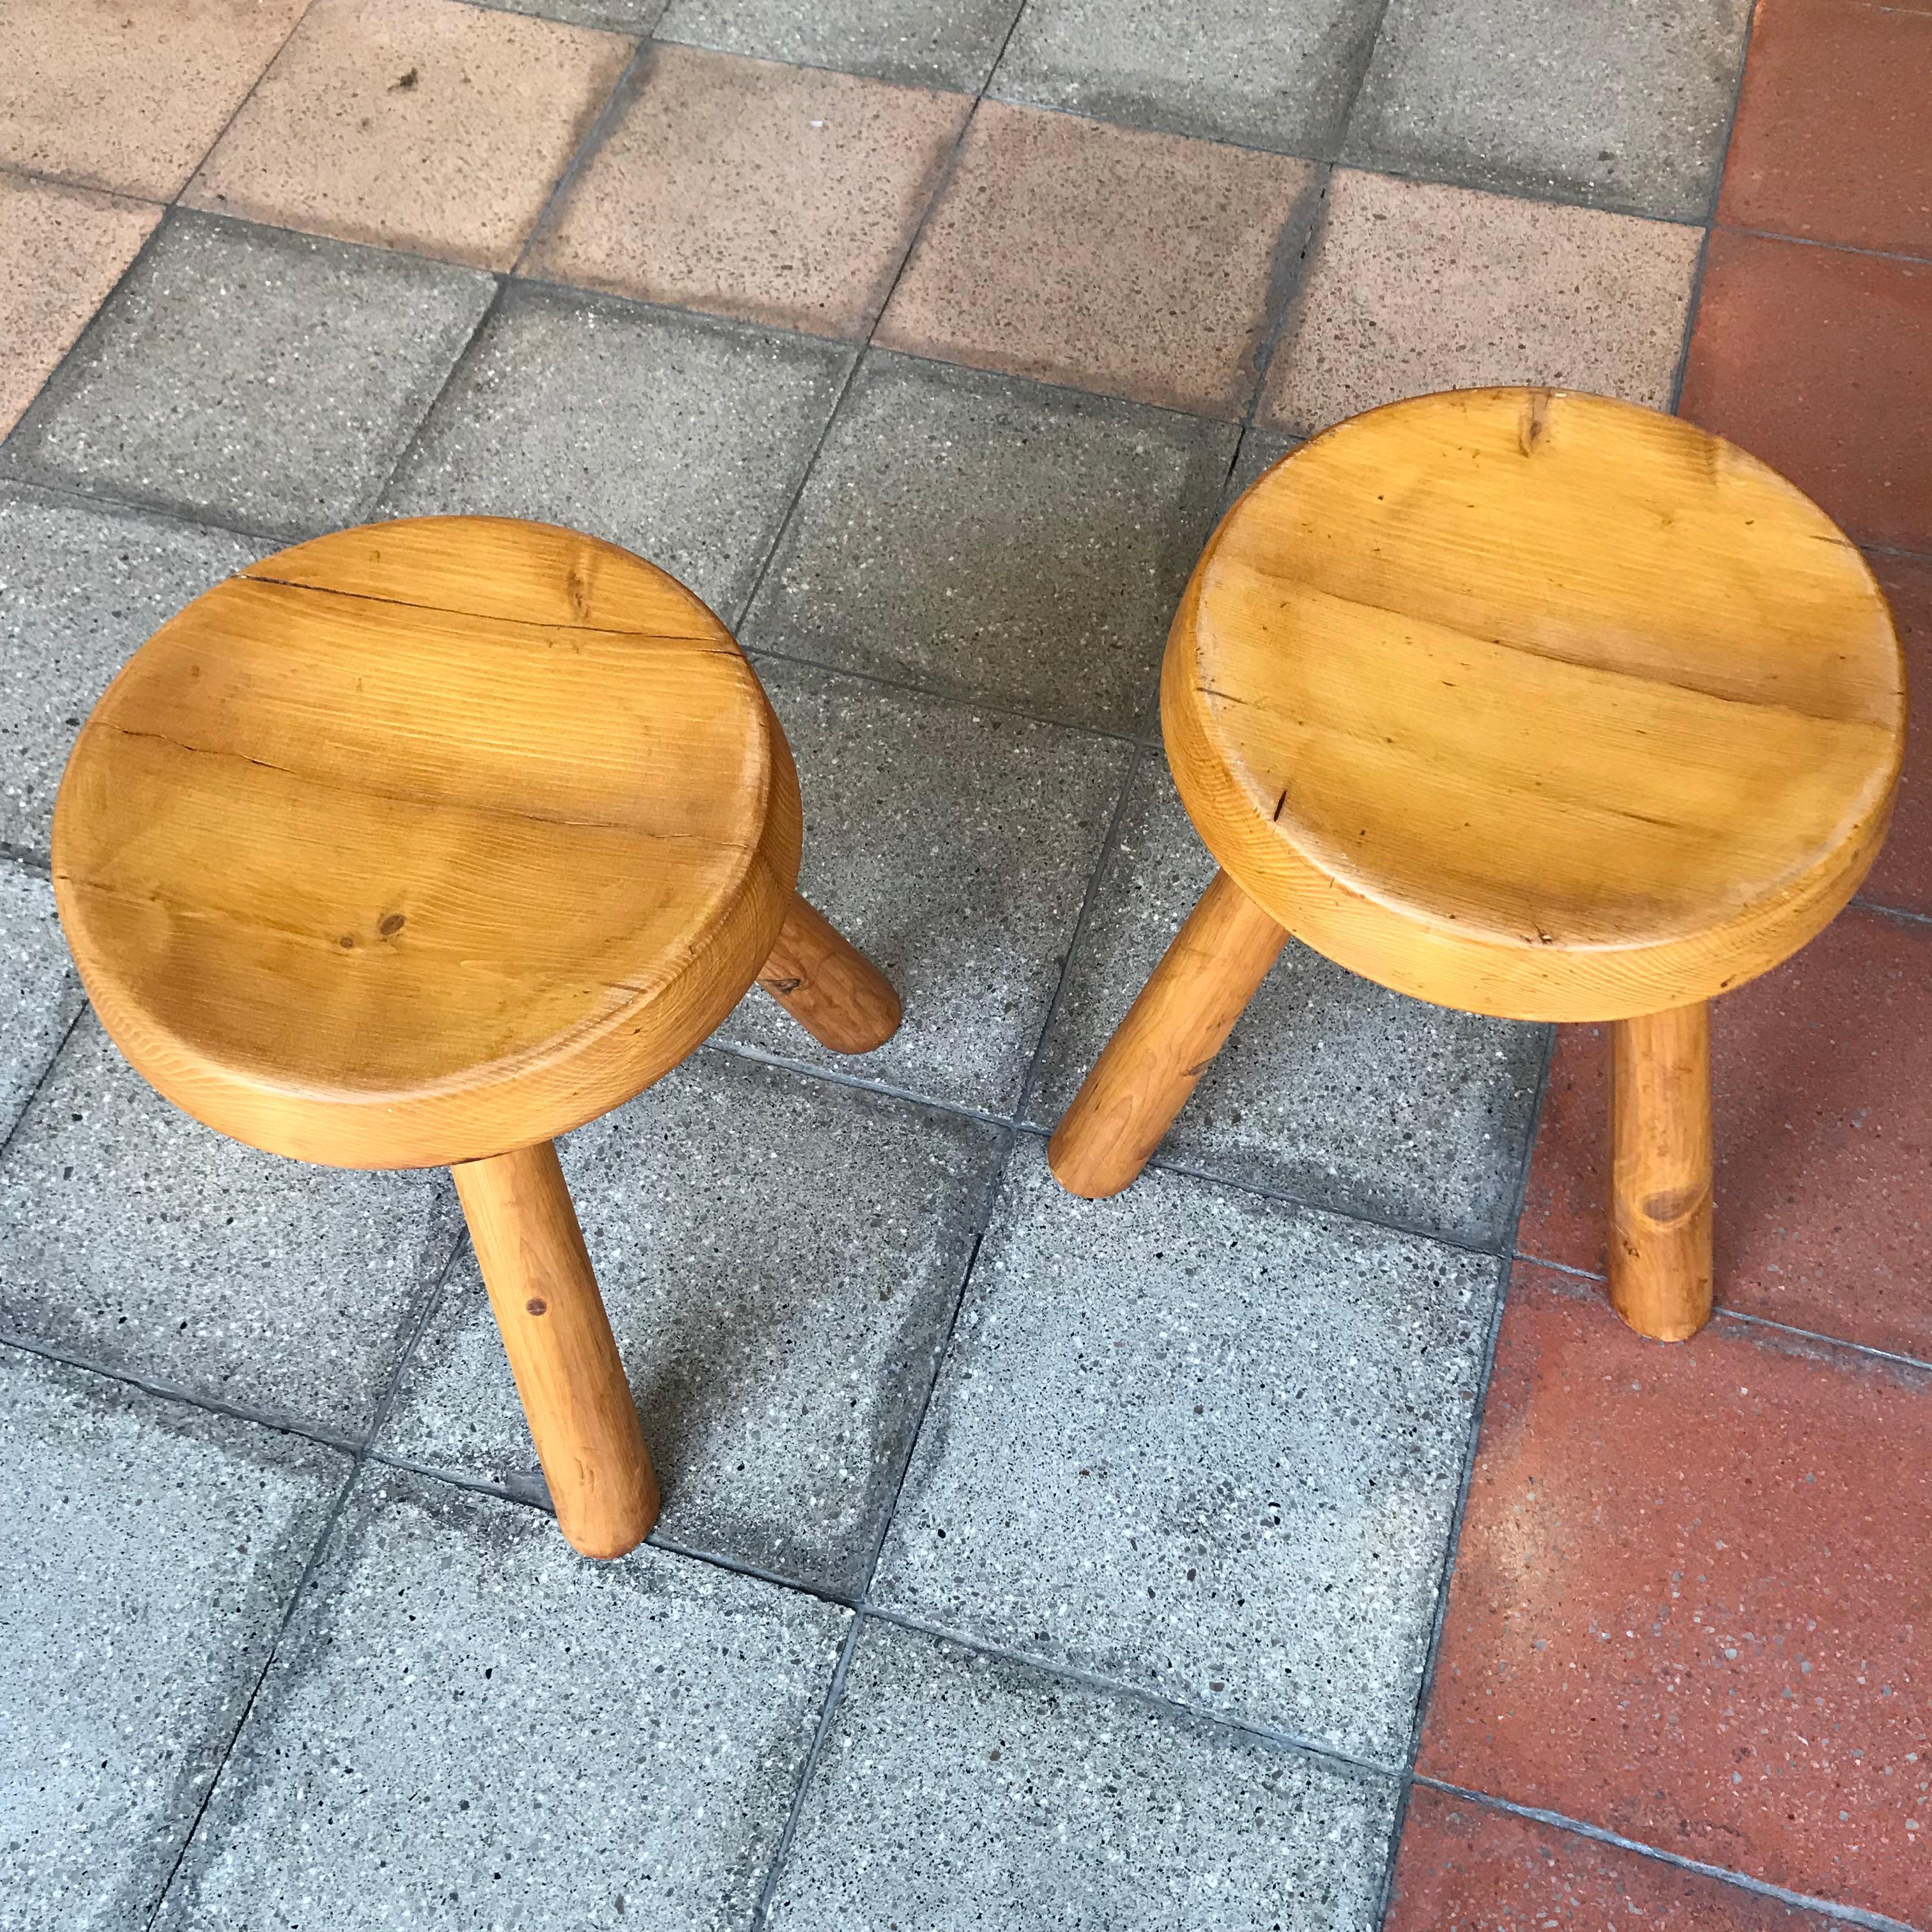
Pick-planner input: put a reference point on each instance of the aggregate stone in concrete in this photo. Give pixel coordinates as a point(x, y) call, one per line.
point(1330, 1087)
point(1625, 106)
point(949, 43)
point(957, 1790)
point(780, 1257)
point(1204, 1443)
point(40, 991)
point(81, 587)
point(681, 438)
point(1011, 542)
point(953, 846)
point(251, 375)
point(133, 1237)
point(1270, 73)
point(468, 1725)
point(147, 1552)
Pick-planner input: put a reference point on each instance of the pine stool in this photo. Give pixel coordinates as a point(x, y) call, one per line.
point(422, 843)
point(1532, 704)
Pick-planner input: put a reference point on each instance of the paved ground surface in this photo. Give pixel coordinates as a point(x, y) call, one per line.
point(1294, 1542)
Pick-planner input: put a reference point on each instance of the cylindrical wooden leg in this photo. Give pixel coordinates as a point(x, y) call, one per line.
point(827, 984)
point(558, 1338)
point(1171, 1032)
point(1660, 1172)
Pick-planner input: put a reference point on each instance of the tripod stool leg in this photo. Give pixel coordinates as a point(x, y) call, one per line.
point(1660, 1172)
point(1170, 1033)
point(558, 1339)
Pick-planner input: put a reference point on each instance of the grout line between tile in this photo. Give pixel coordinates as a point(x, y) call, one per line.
point(621, 90)
point(1720, 1313)
point(283, 1425)
point(781, 1851)
point(1818, 242)
point(431, 1302)
point(941, 180)
point(955, 693)
point(1710, 220)
point(1849, 1915)
point(308, 1570)
point(45, 1074)
point(1471, 1446)
point(240, 106)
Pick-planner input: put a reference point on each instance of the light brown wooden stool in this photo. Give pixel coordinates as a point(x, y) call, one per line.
point(1533, 704)
point(420, 844)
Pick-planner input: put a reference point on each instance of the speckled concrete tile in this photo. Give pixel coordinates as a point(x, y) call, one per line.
point(1330, 1087)
point(129, 97)
point(1130, 263)
point(933, 43)
point(777, 194)
point(680, 438)
point(953, 846)
point(1270, 73)
point(959, 1790)
point(1625, 106)
point(1412, 287)
point(1204, 1443)
point(62, 250)
point(468, 1724)
point(425, 124)
point(40, 991)
point(81, 587)
point(264, 379)
point(134, 1237)
point(147, 1551)
point(780, 1257)
point(1008, 542)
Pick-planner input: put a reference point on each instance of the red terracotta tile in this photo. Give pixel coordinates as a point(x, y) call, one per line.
point(1832, 140)
point(1820, 362)
point(1693, 1597)
point(1464, 1868)
point(1821, 1083)
point(1903, 876)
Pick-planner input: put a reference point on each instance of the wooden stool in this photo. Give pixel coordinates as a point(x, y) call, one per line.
point(1533, 704)
point(419, 844)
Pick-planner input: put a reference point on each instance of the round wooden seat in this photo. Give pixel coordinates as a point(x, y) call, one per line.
point(425, 840)
point(1536, 704)
point(422, 843)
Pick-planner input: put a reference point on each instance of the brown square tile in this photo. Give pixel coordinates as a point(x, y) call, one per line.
point(1464, 1868)
point(1903, 876)
point(1833, 139)
point(1691, 1598)
point(424, 124)
point(1412, 287)
point(780, 194)
point(1821, 1083)
point(1820, 362)
point(1133, 264)
point(62, 249)
point(127, 94)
